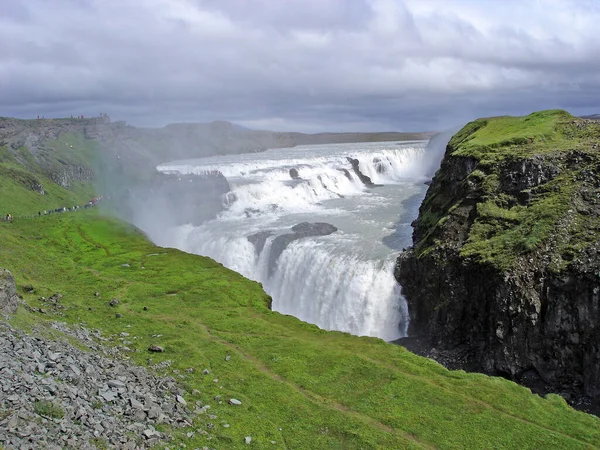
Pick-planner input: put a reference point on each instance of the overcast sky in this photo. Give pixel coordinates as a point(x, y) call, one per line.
point(305, 65)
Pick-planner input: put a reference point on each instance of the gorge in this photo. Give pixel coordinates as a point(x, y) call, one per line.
point(338, 275)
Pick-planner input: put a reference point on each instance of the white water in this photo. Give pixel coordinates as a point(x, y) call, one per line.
point(343, 281)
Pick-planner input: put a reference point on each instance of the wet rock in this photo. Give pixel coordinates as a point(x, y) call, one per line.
point(361, 176)
point(259, 240)
point(294, 174)
point(532, 318)
point(301, 230)
point(156, 349)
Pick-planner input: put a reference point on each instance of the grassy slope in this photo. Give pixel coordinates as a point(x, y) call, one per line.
point(503, 231)
point(19, 171)
point(323, 389)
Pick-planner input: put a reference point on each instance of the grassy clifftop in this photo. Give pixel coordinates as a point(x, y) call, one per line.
point(532, 178)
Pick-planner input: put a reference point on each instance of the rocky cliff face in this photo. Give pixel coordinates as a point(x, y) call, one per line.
point(505, 266)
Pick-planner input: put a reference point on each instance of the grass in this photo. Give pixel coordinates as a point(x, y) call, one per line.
point(323, 389)
point(492, 139)
point(504, 228)
point(20, 186)
point(50, 409)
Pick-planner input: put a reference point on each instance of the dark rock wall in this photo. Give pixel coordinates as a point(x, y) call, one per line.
point(533, 322)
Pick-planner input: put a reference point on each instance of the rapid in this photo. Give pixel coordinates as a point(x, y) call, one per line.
point(342, 281)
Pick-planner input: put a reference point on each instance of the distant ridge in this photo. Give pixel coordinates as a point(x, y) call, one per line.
point(592, 117)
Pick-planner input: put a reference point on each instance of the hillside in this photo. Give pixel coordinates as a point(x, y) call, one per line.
point(137, 151)
point(53, 163)
point(300, 387)
point(506, 257)
point(115, 294)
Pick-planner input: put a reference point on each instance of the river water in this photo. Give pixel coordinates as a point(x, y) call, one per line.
point(343, 281)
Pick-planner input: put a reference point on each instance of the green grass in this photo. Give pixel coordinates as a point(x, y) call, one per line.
point(21, 176)
point(491, 139)
point(50, 409)
point(323, 389)
point(504, 228)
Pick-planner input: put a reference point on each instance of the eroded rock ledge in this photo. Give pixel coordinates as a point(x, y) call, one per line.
point(505, 266)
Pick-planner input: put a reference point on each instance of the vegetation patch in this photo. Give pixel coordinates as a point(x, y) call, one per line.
point(47, 408)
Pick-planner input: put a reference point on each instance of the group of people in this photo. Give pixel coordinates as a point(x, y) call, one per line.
point(89, 204)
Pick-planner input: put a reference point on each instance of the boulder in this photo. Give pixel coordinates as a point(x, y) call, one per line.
point(259, 239)
point(361, 176)
point(301, 230)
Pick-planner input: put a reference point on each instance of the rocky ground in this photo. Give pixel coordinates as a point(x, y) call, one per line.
point(69, 390)
point(56, 396)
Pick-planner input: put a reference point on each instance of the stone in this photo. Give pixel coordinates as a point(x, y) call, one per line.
point(181, 400)
point(135, 404)
point(114, 302)
point(156, 349)
point(205, 372)
point(116, 384)
point(234, 401)
point(118, 316)
point(247, 440)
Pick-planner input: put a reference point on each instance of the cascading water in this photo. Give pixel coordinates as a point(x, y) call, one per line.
point(342, 281)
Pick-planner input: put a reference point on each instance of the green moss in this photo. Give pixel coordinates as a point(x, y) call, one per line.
point(503, 228)
point(491, 139)
point(50, 409)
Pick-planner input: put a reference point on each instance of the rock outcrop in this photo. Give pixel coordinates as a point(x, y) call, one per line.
point(364, 179)
point(505, 267)
point(9, 300)
point(301, 230)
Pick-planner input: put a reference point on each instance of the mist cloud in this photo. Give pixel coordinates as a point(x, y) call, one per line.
point(309, 65)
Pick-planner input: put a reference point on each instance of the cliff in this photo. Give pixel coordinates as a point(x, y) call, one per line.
point(505, 264)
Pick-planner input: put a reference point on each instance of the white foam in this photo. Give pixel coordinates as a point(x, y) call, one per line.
point(330, 281)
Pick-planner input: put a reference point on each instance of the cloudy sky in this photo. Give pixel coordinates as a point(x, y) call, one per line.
point(306, 65)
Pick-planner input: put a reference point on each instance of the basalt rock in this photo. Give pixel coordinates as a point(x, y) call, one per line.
point(505, 263)
point(301, 230)
point(361, 176)
point(259, 239)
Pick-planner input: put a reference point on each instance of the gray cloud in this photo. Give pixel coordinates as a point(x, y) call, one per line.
point(310, 65)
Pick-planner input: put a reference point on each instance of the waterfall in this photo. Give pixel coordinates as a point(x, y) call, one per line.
point(343, 281)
